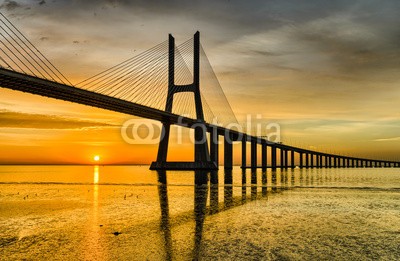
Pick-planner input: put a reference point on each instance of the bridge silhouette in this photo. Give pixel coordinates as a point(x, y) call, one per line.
point(159, 84)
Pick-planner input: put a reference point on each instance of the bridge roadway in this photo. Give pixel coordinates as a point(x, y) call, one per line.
point(31, 84)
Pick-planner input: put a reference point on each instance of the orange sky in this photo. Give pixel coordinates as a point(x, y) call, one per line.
point(327, 73)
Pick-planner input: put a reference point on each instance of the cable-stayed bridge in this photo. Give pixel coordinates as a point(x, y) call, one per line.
point(175, 85)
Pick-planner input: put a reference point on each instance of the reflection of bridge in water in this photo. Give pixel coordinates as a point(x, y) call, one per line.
point(208, 201)
point(162, 84)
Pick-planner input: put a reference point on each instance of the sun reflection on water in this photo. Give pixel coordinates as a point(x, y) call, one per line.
point(93, 248)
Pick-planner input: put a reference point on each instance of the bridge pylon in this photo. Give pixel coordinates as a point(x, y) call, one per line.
point(201, 152)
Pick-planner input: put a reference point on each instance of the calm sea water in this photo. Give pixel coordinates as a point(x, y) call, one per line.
point(132, 213)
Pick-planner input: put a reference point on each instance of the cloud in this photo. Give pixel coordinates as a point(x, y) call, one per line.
point(10, 119)
point(9, 5)
point(388, 139)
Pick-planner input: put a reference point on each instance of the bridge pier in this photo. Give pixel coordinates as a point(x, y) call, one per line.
point(307, 160)
point(300, 160)
point(263, 155)
point(201, 154)
point(282, 158)
point(292, 159)
point(244, 148)
point(286, 159)
point(253, 154)
point(273, 157)
point(228, 152)
point(312, 160)
point(214, 147)
point(163, 146)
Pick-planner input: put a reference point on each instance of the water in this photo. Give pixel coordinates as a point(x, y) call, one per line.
point(132, 213)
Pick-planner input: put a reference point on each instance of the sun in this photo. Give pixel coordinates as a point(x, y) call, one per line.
point(96, 158)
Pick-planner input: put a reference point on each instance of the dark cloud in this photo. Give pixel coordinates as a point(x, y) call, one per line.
point(9, 5)
point(10, 119)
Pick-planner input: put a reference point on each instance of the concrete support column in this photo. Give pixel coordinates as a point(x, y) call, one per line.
point(163, 146)
point(228, 152)
point(307, 160)
point(201, 148)
point(253, 154)
point(286, 159)
point(244, 155)
point(312, 160)
point(264, 155)
point(273, 157)
point(292, 159)
point(301, 160)
point(214, 147)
